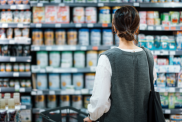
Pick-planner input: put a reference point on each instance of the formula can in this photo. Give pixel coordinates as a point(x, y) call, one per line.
point(51, 101)
point(41, 81)
point(90, 15)
point(65, 80)
point(60, 37)
point(40, 101)
point(27, 67)
point(86, 101)
point(49, 37)
point(91, 58)
point(79, 59)
point(3, 2)
point(114, 10)
point(150, 14)
point(150, 21)
point(6, 83)
point(107, 37)
point(15, 67)
point(54, 81)
point(11, 83)
point(37, 37)
point(21, 67)
point(28, 83)
point(157, 21)
point(104, 15)
point(66, 59)
point(72, 37)
point(64, 100)
point(3, 66)
point(89, 80)
point(42, 59)
point(23, 83)
point(8, 67)
point(78, 15)
point(95, 37)
point(54, 59)
point(83, 37)
point(63, 14)
point(78, 81)
point(77, 101)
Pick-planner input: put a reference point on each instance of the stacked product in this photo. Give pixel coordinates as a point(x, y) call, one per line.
point(11, 2)
point(9, 67)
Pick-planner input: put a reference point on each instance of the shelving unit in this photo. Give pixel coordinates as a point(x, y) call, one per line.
point(14, 7)
point(15, 59)
point(14, 25)
point(15, 41)
point(15, 74)
point(10, 89)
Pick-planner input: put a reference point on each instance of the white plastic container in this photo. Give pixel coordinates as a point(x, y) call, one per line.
point(40, 101)
point(78, 15)
point(66, 59)
point(79, 59)
point(91, 58)
point(41, 81)
point(77, 101)
point(64, 100)
point(54, 81)
point(107, 37)
point(54, 59)
point(78, 81)
point(90, 15)
point(51, 101)
point(83, 37)
point(95, 37)
point(65, 80)
point(89, 80)
point(42, 59)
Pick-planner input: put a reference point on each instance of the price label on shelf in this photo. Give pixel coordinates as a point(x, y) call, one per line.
point(171, 89)
point(166, 28)
point(158, 28)
point(13, 7)
point(60, 48)
point(157, 52)
point(104, 25)
point(63, 92)
point(143, 26)
point(33, 93)
point(173, 28)
point(22, 89)
point(4, 25)
point(23, 107)
point(95, 48)
point(49, 69)
point(16, 74)
point(161, 89)
point(164, 52)
point(11, 41)
point(48, 48)
point(84, 91)
point(72, 48)
point(83, 48)
point(150, 28)
point(172, 53)
point(136, 4)
point(90, 25)
point(38, 25)
point(57, 25)
point(40, 4)
point(167, 111)
point(41, 110)
point(77, 92)
point(20, 25)
point(100, 4)
point(78, 25)
point(93, 69)
point(42, 70)
point(52, 92)
point(39, 92)
point(61, 4)
point(12, 59)
point(36, 48)
point(35, 68)
point(74, 70)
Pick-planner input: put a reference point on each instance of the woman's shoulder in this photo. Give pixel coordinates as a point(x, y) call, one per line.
point(110, 51)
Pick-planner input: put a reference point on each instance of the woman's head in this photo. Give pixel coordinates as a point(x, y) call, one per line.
point(126, 22)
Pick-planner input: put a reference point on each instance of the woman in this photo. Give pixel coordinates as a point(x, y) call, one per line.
point(121, 88)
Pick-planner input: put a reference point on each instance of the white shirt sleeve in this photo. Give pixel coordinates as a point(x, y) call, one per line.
point(100, 102)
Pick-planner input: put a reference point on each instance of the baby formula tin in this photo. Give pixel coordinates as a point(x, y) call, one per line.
point(54, 59)
point(65, 80)
point(49, 37)
point(86, 101)
point(27, 67)
point(41, 81)
point(72, 37)
point(42, 59)
point(91, 58)
point(107, 37)
point(51, 101)
point(77, 101)
point(79, 59)
point(37, 37)
point(104, 15)
point(83, 36)
point(66, 59)
point(95, 37)
point(114, 10)
point(78, 81)
point(39, 101)
point(89, 80)
point(3, 66)
point(60, 37)
point(150, 42)
point(64, 100)
point(63, 14)
point(21, 67)
point(3, 2)
point(90, 15)
point(78, 15)
point(8, 67)
point(54, 81)
point(15, 67)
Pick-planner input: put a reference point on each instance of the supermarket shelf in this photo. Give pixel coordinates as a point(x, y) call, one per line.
point(10, 89)
point(15, 74)
point(61, 92)
point(172, 111)
point(19, 107)
point(14, 25)
point(16, 41)
point(13, 7)
point(167, 68)
point(160, 5)
point(26, 107)
point(160, 27)
point(15, 59)
point(168, 89)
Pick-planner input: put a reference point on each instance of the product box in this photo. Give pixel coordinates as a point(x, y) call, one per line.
point(174, 17)
point(162, 61)
point(161, 80)
point(142, 40)
point(50, 14)
point(164, 42)
point(24, 116)
point(172, 43)
point(176, 118)
point(38, 14)
point(26, 100)
point(63, 14)
point(171, 80)
point(164, 99)
point(150, 42)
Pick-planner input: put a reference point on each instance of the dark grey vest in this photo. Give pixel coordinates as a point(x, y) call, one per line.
point(130, 86)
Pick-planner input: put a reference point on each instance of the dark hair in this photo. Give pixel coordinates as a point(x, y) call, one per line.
point(126, 22)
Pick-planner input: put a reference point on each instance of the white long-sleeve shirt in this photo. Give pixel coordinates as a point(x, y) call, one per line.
point(100, 102)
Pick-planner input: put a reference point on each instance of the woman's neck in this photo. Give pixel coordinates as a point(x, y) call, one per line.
point(124, 44)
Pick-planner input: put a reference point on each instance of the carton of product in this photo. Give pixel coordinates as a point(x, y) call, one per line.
point(38, 14)
point(63, 14)
point(50, 14)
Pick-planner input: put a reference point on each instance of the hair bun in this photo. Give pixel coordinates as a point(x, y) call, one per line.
point(128, 36)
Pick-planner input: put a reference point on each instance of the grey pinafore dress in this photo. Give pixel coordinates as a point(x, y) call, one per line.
point(130, 86)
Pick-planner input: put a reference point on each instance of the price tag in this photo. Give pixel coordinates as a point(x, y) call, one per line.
point(20, 25)
point(83, 48)
point(150, 28)
point(167, 111)
point(49, 69)
point(77, 92)
point(48, 48)
point(74, 70)
point(52, 92)
point(16, 74)
point(40, 4)
point(60, 48)
point(41, 110)
point(95, 48)
point(161, 89)
point(70, 91)
point(172, 52)
point(84, 91)
point(39, 92)
point(136, 4)
point(22, 89)
point(33, 93)
point(104, 25)
point(4, 25)
point(57, 25)
point(143, 26)
point(11, 41)
point(12, 59)
point(63, 92)
point(38, 25)
point(37, 48)
point(72, 47)
point(61, 4)
point(13, 7)
point(23, 107)
point(171, 89)
point(100, 4)
point(35, 68)
point(42, 70)
point(78, 25)
point(166, 28)
point(90, 25)
point(173, 28)
point(164, 52)
point(157, 53)
point(93, 69)
point(158, 28)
